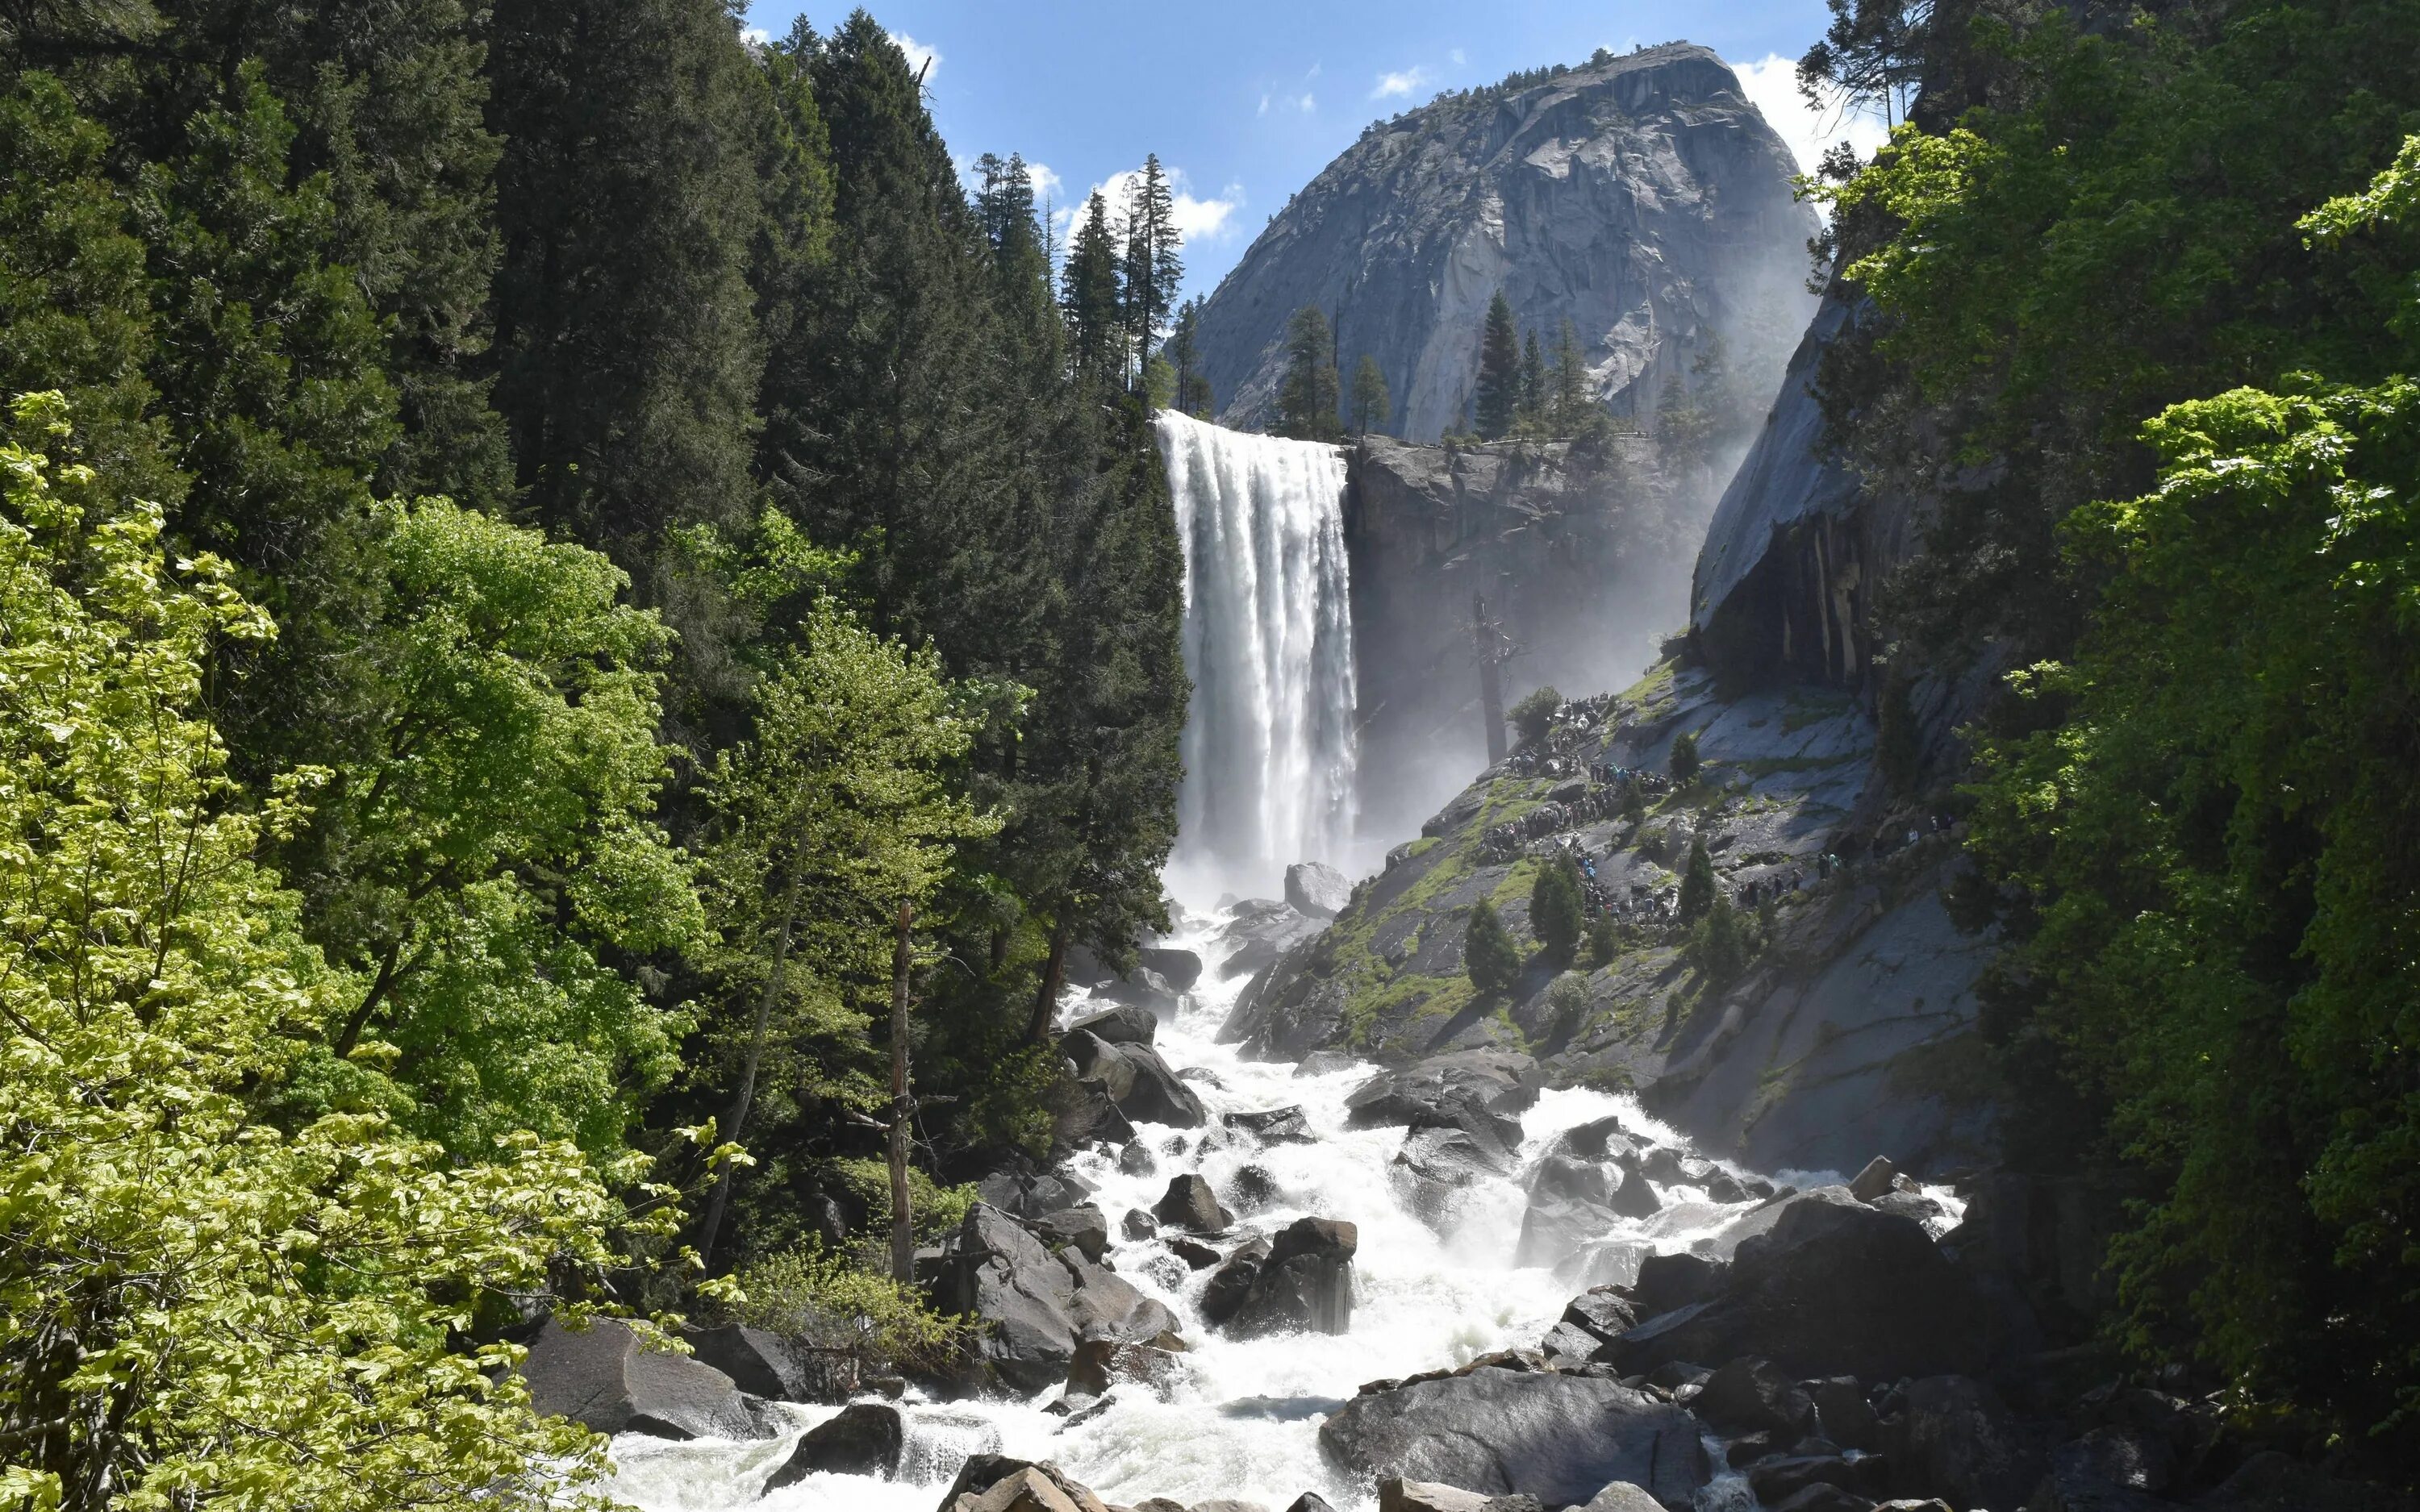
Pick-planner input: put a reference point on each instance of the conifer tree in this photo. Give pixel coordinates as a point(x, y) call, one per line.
point(1306, 402)
point(1488, 954)
point(1558, 907)
point(1185, 356)
point(1697, 887)
point(1532, 409)
point(1570, 403)
point(1154, 269)
point(1092, 295)
point(1371, 403)
point(1499, 371)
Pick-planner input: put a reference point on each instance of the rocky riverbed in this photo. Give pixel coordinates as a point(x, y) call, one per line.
point(1441, 1286)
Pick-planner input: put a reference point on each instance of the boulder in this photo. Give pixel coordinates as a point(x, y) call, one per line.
point(1039, 1306)
point(1189, 1204)
point(1138, 1226)
point(1622, 1496)
point(1605, 1312)
point(1100, 1363)
point(1310, 1501)
point(1558, 1437)
point(1324, 1062)
point(1135, 1159)
point(1031, 1194)
point(1749, 1396)
point(1874, 1181)
point(1317, 891)
point(606, 1378)
point(1601, 1139)
point(1223, 1294)
point(1084, 1230)
point(1830, 1289)
point(1259, 931)
point(1195, 1254)
point(1304, 1286)
point(1668, 1281)
point(1254, 1189)
point(1481, 1091)
point(1843, 1415)
point(1552, 1230)
point(756, 1362)
point(1913, 1205)
point(865, 1439)
point(1005, 1485)
point(1139, 1081)
point(1435, 1164)
point(1180, 969)
point(1567, 1345)
point(1604, 1263)
point(1121, 1024)
point(1954, 1439)
point(1143, 989)
point(1396, 1494)
point(1775, 1481)
point(1274, 1126)
point(1563, 1176)
point(1087, 1114)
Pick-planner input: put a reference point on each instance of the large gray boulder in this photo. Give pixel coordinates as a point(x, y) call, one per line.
point(1558, 1437)
point(1830, 1289)
point(1436, 1164)
point(863, 1438)
point(1180, 969)
point(606, 1378)
point(756, 1362)
point(1955, 1439)
point(1122, 1023)
point(1482, 1092)
point(1039, 1306)
point(1304, 1286)
point(1316, 891)
point(1141, 1084)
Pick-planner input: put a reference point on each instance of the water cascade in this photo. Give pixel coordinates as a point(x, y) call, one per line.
point(1268, 643)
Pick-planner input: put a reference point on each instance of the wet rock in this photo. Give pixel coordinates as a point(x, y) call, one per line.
point(865, 1439)
point(1189, 1203)
point(1316, 891)
point(1914, 1205)
point(1310, 1501)
point(1749, 1396)
point(1274, 1126)
point(995, 1483)
point(1040, 1305)
point(1830, 1289)
point(1622, 1496)
point(1844, 1414)
point(1603, 1311)
point(1874, 1181)
point(1194, 1253)
point(1558, 1437)
point(1135, 1159)
point(1254, 1189)
point(1305, 1285)
point(1396, 1494)
point(1139, 1081)
point(1180, 970)
point(1602, 1139)
point(1223, 1294)
point(756, 1362)
point(1260, 931)
point(1138, 1226)
point(1031, 1194)
point(1084, 1230)
point(1325, 1062)
point(1433, 1165)
point(1567, 1345)
point(1775, 1481)
point(605, 1378)
point(1479, 1091)
point(1550, 1231)
point(1955, 1439)
point(1561, 1177)
point(1121, 1024)
point(1087, 1114)
point(1677, 1280)
point(1100, 1363)
point(1142, 989)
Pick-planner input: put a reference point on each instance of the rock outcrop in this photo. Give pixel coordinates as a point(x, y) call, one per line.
point(1641, 196)
point(1039, 1307)
point(609, 1381)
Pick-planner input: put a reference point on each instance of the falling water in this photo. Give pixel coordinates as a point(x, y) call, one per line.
point(1268, 642)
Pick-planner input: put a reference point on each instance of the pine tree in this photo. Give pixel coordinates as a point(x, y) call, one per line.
point(1371, 403)
point(1488, 954)
point(1499, 371)
point(1570, 400)
point(1185, 356)
point(1698, 887)
point(1558, 907)
point(1684, 762)
point(1532, 408)
point(1093, 297)
point(1306, 402)
point(1154, 270)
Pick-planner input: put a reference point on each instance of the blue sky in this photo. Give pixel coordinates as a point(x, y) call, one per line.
point(1246, 100)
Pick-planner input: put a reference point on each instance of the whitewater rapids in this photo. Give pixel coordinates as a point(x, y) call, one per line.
point(1244, 1422)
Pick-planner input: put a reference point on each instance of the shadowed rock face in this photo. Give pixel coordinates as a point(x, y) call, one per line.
point(1644, 197)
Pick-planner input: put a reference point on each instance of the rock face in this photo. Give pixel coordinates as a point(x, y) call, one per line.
point(1558, 1437)
point(1640, 195)
point(605, 1380)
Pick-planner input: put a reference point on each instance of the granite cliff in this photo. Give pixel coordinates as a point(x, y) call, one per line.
point(1641, 196)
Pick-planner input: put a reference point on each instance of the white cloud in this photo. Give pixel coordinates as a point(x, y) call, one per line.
point(1456, 58)
point(1265, 105)
point(1199, 218)
point(1046, 185)
point(756, 35)
point(1306, 103)
point(1398, 86)
point(1772, 86)
point(921, 59)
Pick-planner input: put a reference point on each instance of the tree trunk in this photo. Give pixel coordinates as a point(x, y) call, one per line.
point(903, 1228)
point(746, 1097)
point(1046, 997)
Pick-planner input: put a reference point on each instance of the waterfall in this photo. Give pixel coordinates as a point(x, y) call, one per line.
point(1269, 751)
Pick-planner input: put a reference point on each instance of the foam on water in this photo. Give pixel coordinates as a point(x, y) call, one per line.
point(1244, 1422)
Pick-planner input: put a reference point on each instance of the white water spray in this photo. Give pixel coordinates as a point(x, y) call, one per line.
point(1269, 750)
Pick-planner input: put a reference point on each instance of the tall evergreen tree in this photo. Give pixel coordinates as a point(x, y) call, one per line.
point(1091, 293)
point(1531, 410)
point(1371, 404)
point(1185, 356)
point(1570, 402)
point(627, 351)
point(1499, 371)
point(1154, 270)
point(1306, 402)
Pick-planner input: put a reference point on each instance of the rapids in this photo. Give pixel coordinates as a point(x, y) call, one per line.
point(1245, 1421)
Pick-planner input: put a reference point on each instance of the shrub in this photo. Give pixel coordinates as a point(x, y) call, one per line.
point(1534, 716)
point(1558, 907)
point(828, 1306)
point(1567, 1005)
point(1720, 944)
point(1488, 952)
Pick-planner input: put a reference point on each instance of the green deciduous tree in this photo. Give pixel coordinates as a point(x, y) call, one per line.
point(198, 1301)
point(1488, 954)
